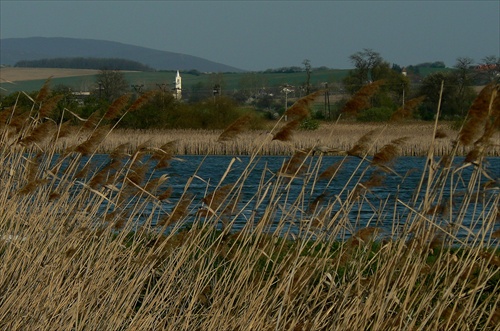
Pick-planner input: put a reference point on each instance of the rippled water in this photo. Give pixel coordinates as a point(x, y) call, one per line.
point(383, 206)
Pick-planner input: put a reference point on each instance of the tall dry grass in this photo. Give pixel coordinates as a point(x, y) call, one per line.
point(74, 257)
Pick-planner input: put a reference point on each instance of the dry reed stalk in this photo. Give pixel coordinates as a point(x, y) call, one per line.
point(364, 235)
point(233, 130)
point(361, 99)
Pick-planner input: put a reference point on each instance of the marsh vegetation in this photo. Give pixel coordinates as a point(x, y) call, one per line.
point(74, 257)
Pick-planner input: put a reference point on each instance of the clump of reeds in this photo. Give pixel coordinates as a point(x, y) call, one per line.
point(116, 247)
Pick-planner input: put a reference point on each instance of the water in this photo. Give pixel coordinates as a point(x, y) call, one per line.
point(380, 206)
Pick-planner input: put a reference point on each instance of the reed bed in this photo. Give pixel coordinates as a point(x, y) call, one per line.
point(74, 255)
point(333, 138)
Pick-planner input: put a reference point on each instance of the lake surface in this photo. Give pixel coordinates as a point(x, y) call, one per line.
point(381, 206)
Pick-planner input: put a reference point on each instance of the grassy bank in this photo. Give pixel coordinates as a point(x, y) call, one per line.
point(73, 257)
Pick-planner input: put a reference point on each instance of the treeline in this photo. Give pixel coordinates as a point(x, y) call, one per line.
point(85, 63)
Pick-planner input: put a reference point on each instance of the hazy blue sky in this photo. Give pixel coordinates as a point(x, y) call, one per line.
point(257, 35)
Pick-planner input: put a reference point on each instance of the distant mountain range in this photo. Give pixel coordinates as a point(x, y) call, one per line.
point(13, 50)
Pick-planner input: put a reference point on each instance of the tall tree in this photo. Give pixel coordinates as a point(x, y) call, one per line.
point(464, 77)
point(365, 62)
point(111, 84)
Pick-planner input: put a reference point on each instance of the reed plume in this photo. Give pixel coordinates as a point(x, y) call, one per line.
point(93, 141)
point(142, 100)
point(180, 211)
point(115, 109)
point(389, 152)
point(477, 115)
point(286, 132)
point(166, 151)
point(120, 151)
point(166, 194)
point(361, 99)
point(295, 166)
point(300, 109)
point(44, 91)
point(440, 134)
point(233, 130)
point(332, 170)
point(39, 133)
point(49, 105)
point(407, 110)
point(63, 130)
point(92, 121)
point(362, 145)
point(215, 199)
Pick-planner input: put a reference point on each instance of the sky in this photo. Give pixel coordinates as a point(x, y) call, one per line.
point(259, 35)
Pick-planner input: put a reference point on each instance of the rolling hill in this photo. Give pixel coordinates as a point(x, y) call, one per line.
point(13, 50)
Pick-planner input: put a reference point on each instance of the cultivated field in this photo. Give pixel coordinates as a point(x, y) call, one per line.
point(74, 256)
point(10, 74)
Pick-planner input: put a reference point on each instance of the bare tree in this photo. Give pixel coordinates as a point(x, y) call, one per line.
point(464, 78)
point(112, 84)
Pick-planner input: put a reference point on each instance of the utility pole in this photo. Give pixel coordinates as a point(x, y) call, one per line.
point(327, 101)
point(286, 89)
point(138, 88)
point(163, 87)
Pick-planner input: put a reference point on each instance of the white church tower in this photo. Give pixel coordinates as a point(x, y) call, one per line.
point(178, 86)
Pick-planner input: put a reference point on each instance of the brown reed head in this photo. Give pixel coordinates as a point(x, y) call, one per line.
point(407, 111)
point(440, 134)
point(362, 146)
point(89, 146)
point(361, 99)
point(296, 166)
point(286, 132)
point(300, 109)
point(477, 115)
point(142, 100)
point(389, 152)
point(49, 105)
point(115, 109)
point(44, 92)
point(332, 170)
point(40, 133)
point(215, 199)
point(233, 130)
